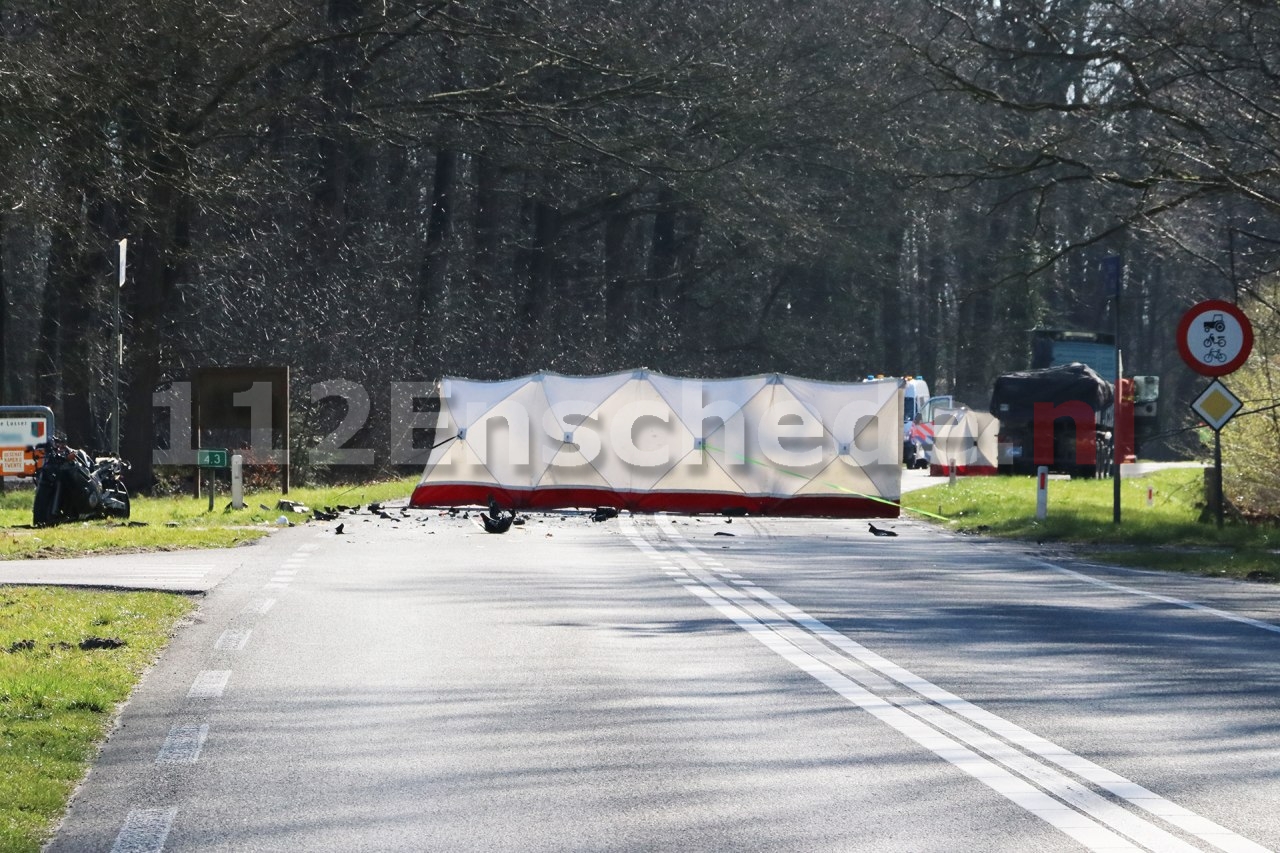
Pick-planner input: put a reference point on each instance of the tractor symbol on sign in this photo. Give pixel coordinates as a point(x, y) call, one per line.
point(1215, 324)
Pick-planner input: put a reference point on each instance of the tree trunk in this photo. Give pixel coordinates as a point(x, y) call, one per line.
point(156, 256)
point(48, 361)
point(662, 251)
point(4, 325)
point(485, 224)
point(537, 306)
point(615, 280)
point(490, 292)
point(435, 256)
point(4, 318)
point(74, 309)
point(339, 154)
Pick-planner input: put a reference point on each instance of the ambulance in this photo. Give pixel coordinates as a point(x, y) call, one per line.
point(917, 424)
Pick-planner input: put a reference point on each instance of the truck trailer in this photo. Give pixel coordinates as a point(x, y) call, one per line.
point(1060, 417)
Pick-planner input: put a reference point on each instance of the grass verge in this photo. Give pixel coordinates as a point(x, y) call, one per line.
point(173, 523)
point(1166, 535)
point(67, 659)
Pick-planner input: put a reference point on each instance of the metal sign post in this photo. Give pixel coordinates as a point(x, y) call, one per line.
point(1216, 405)
point(1113, 280)
point(1214, 339)
point(211, 461)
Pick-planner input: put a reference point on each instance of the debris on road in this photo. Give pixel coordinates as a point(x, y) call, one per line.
point(496, 525)
point(497, 520)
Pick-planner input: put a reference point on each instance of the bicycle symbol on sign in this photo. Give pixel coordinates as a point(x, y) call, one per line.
point(1215, 355)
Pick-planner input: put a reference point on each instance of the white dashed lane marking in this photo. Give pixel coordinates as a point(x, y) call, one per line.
point(259, 606)
point(144, 831)
point(209, 684)
point(232, 640)
point(183, 744)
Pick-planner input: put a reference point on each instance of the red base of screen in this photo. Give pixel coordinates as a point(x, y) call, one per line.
point(963, 471)
point(822, 506)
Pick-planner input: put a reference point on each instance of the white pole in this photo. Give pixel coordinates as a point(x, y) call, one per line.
point(115, 372)
point(237, 481)
point(1042, 492)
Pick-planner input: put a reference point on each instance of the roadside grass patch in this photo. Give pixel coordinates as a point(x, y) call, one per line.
point(67, 659)
point(1167, 535)
point(176, 522)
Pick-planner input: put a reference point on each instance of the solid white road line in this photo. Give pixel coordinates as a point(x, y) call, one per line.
point(777, 624)
point(1140, 797)
point(1050, 780)
point(1107, 780)
point(1167, 599)
point(1084, 830)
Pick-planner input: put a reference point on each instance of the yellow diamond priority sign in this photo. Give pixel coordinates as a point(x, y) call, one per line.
point(1216, 405)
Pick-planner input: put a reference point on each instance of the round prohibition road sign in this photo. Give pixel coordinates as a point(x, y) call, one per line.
point(1215, 338)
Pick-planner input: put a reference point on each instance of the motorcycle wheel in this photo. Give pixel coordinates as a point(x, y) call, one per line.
point(42, 507)
point(119, 493)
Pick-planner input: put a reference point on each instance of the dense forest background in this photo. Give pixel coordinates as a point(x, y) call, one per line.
point(388, 191)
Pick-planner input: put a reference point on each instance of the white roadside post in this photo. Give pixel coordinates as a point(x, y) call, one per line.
point(237, 481)
point(119, 363)
point(1042, 492)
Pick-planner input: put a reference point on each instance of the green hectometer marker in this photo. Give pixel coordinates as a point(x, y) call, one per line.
point(212, 459)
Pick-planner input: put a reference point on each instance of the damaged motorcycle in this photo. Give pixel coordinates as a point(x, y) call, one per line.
point(72, 486)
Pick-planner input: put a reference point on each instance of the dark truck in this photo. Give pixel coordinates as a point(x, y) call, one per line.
point(1073, 410)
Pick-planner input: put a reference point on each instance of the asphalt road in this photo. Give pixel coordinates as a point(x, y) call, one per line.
point(648, 684)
